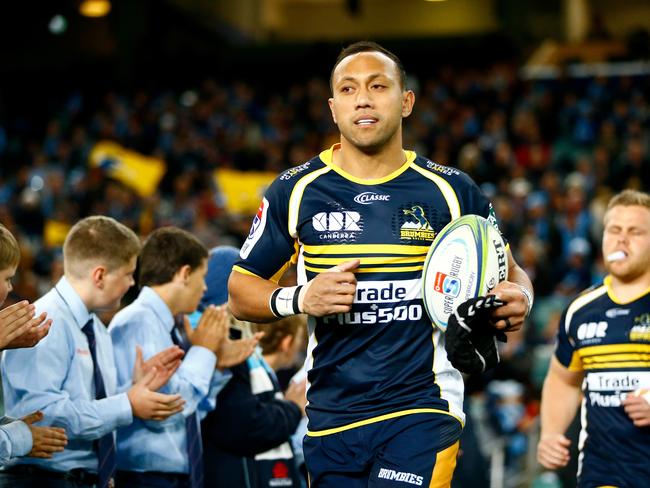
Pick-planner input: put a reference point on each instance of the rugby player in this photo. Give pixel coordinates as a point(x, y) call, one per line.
point(602, 360)
point(384, 402)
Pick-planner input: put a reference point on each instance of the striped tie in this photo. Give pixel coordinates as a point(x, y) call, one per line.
point(105, 446)
point(192, 427)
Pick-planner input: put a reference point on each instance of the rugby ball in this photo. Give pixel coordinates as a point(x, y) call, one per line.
point(466, 259)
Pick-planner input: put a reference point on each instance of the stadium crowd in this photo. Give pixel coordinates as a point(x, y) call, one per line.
point(548, 153)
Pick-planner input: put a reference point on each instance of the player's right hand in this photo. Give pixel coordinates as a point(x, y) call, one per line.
point(332, 291)
point(553, 451)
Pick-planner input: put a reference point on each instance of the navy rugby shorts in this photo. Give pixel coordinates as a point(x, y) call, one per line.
point(408, 451)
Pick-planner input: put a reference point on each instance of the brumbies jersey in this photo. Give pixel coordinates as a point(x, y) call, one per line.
point(610, 342)
point(384, 358)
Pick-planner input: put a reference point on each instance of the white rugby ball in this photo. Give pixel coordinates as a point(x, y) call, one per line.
point(466, 259)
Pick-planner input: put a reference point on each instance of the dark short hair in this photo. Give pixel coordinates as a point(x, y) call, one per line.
point(167, 250)
point(369, 47)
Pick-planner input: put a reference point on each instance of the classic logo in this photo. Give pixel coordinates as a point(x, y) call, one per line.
point(417, 225)
point(612, 313)
point(447, 285)
point(368, 197)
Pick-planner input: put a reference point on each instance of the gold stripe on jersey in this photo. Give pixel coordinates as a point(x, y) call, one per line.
point(387, 269)
point(445, 188)
point(622, 364)
point(326, 157)
point(580, 302)
point(356, 249)
point(241, 270)
point(296, 197)
point(616, 357)
point(576, 362)
point(372, 420)
point(614, 349)
point(369, 260)
point(292, 260)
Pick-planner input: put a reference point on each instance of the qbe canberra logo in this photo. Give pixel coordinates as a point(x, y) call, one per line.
point(447, 285)
point(337, 225)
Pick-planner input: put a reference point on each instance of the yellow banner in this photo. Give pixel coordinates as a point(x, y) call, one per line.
point(137, 171)
point(55, 233)
point(242, 191)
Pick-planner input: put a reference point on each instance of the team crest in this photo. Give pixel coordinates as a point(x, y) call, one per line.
point(640, 331)
point(416, 225)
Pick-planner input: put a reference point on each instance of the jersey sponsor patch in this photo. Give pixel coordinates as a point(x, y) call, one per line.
point(342, 225)
point(591, 332)
point(291, 172)
point(445, 170)
point(257, 229)
point(387, 291)
point(618, 380)
point(612, 313)
point(369, 197)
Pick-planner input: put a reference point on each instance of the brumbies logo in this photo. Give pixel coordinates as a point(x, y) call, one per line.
point(417, 225)
point(640, 331)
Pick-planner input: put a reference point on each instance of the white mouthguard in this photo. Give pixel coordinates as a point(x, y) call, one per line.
point(616, 256)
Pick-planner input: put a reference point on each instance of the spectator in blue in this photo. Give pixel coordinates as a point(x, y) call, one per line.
point(247, 438)
point(173, 264)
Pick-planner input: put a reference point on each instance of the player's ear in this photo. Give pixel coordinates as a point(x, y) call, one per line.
point(408, 100)
point(330, 102)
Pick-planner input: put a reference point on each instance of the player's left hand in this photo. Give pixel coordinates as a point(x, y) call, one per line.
point(638, 409)
point(509, 317)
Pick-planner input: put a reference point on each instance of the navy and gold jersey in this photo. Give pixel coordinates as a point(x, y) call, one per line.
point(384, 358)
point(609, 342)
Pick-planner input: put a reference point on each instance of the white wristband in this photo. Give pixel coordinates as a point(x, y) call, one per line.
point(529, 298)
point(284, 301)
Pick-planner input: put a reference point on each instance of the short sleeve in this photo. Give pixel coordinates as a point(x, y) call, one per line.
point(474, 201)
point(565, 350)
point(269, 248)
